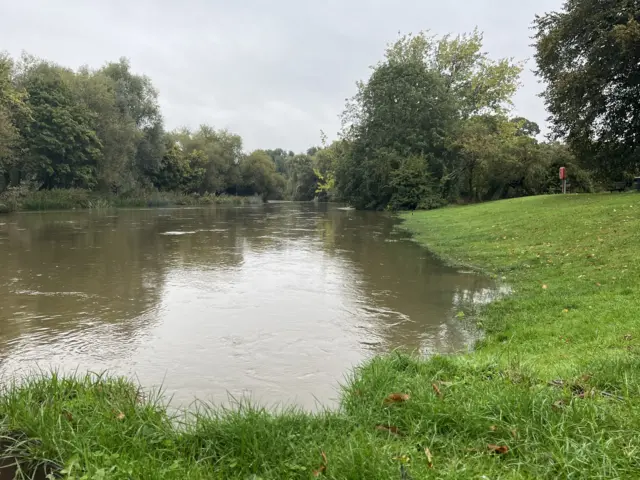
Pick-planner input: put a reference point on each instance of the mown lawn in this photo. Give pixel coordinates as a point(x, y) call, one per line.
point(551, 391)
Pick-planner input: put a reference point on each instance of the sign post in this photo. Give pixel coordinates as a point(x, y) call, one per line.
point(563, 177)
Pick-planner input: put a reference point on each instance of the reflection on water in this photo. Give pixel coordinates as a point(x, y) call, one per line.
point(276, 302)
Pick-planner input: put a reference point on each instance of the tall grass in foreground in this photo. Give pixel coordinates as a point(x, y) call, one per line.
point(92, 427)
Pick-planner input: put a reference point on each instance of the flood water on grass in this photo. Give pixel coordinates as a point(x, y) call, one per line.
point(274, 302)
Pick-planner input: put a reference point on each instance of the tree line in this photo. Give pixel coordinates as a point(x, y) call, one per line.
point(431, 125)
point(103, 130)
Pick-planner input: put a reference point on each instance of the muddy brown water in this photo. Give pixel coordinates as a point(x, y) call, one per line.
point(275, 302)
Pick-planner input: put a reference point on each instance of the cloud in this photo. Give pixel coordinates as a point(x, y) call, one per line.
point(275, 72)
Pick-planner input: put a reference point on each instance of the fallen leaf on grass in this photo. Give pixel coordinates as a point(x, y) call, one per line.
point(120, 416)
point(498, 449)
point(68, 416)
point(514, 433)
point(544, 287)
point(598, 285)
point(323, 467)
point(436, 389)
point(566, 310)
point(389, 428)
point(397, 398)
point(427, 452)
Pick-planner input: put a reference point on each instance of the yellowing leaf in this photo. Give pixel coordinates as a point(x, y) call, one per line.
point(436, 389)
point(427, 452)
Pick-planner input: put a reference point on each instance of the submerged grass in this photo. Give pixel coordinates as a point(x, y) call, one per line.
point(551, 392)
point(70, 199)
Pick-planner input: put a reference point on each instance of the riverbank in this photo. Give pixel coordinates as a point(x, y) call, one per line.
point(76, 199)
point(551, 392)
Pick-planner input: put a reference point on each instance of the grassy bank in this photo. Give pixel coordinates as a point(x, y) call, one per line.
point(551, 392)
point(70, 199)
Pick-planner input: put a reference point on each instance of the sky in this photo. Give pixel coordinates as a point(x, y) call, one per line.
point(276, 72)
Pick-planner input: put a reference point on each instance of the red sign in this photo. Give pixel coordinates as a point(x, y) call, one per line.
point(563, 173)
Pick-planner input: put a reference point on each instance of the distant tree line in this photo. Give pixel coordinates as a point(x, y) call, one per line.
point(103, 130)
point(430, 126)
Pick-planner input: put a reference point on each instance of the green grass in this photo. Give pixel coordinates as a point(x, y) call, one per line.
point(556, 379)
point(70, 199)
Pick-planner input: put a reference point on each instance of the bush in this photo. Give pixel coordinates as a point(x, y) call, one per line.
point(411, 185)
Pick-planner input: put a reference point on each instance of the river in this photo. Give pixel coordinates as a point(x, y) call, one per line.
point(275, 303)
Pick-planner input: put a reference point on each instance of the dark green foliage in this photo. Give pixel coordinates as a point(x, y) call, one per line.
point(175, 172)
point(302, 180)
point(430, 126)
point(103, 131)
point(411, 185)
point(589, 56)
point(403, 110)
point(280, 157)
point(258, 174)
point(137, 101)
point(63, 147)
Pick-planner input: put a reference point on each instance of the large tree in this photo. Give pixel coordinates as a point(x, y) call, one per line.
point(14, 113)
point(116, 129)
point(137, 100)
point(220, 152)
point(61, 145)
point(259, 176)
point(589, 56)
point(414, 106)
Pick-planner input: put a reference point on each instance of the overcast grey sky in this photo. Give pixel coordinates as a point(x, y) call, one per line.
point(276, 72)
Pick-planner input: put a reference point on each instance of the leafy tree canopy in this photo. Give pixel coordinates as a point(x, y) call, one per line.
point(589, 56)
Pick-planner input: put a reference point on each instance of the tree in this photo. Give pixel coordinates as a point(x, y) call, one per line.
point(137, 100)
point(477, 83)
point(117, 130)
point(14, 112)
point(525, 128)
point(280, 158)
point(589, 56)
point(63, 148)
point(404, 109)
point(174, 170)
point(415, 104)
point(480, 143)
point(220, 152)
point(259, 176)
point(302, 182)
